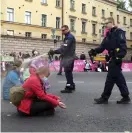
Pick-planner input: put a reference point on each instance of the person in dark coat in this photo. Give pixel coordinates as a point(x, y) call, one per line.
point(115, 43)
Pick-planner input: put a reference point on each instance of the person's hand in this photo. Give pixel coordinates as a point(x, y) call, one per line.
point(62, 105)
point(51, 52)
point(92, 52)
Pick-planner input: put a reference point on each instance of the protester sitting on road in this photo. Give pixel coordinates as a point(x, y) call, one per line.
point(36, 101)
point(12, 79)
point(87, 66)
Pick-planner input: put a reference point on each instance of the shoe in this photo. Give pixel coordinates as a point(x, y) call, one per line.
point(59, 74)
point(124, 101)
point(74, 87)
point(101, 101)
point(67, 90)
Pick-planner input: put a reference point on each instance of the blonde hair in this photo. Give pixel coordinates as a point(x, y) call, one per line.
point(42, 70)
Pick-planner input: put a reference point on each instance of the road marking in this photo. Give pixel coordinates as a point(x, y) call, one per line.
point(77, 82)
point(9, 115)
point(129, 82)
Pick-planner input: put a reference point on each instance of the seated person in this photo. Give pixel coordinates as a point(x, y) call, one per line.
point(12, 79)
point(36, 101)
point(87, 66)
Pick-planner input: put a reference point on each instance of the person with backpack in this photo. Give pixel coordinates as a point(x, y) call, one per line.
point(12, 79)
point(35, 100)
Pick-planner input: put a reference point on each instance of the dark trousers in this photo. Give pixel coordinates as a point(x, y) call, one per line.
point(61, 66)
point(68, 74)
point(38, 107)
point(115, 76)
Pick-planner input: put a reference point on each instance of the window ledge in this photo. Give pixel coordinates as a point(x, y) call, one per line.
point(72, 9)
point(45, 4)
point(58, 7)
point(84, 13)
point(84, 32)
point(94, 15)
point(94, 34)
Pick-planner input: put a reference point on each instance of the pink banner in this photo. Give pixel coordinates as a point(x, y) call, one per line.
point(127, 67)
point(78, 66)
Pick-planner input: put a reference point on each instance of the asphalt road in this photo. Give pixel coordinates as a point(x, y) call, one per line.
point(81, 113)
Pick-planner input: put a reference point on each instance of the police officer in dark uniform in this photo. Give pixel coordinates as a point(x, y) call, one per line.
point(115, 43)
point(68, 52)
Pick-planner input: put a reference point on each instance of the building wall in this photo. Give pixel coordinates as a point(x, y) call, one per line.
point(36, 8)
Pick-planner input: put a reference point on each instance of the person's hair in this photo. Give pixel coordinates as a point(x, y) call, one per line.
point(65, 26)
point(111, 19)
point(42, 70)
point(16, 64)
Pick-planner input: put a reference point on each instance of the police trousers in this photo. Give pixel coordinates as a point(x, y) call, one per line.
point(115, 76)
point(68, 68)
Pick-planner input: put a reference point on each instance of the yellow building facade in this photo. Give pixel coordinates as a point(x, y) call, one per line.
point(41, 18)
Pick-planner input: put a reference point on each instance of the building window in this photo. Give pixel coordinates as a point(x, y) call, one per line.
point(130, 22)
point(83, 39)
point(72, 24)
point(124, 20)
point(58, 38)
point(28, 34)
point(28, 17)
point(57, 3)
point(130, 35)
point(29, 0)
point(57, 22)
point(10, 32)
point(94, 29)
point(83, 27)
point(44, 36)
point(44, 1)
point(118, 19)
point(103, 29)
point(111, 14)
point(94, 11)
point(72, 4)
point(44, 20)
point(103, 13)
point(83, 8)
point(10, 14)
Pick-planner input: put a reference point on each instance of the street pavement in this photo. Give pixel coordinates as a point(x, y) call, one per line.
point(81, 115)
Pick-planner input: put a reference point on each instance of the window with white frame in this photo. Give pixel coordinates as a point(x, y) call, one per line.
point(111, 14)
point(10, 14)
point(10, 32)
point(44, 20)
point(83, 8)
point(72, 24)
point(103, 13)
point(130, 35)
point(44, 1)
point(83, 27)
point(57, 22)
point(118, 19)
point(28, 17)
point(58, 3)
point(58, 38)
point(94, 11)
point(72, 4)
point(44, 36)
point(28, 34)
point(130, 22)
point(94, 29)
point(124, 20)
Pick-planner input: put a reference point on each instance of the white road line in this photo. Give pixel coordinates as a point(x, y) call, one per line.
point(77, 82)
point(129, 82)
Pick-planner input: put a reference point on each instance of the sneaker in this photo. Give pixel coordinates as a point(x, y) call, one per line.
point(101, 101)
point(124, 101)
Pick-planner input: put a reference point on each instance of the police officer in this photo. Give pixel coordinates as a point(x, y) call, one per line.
point(115, 43)
point(68, 52)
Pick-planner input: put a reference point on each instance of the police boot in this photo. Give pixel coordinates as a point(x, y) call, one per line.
point(73, 87)
point(124, 100)
point(68, 89)
point(101, 101)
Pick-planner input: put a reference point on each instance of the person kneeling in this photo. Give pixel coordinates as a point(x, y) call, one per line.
point(36, 101)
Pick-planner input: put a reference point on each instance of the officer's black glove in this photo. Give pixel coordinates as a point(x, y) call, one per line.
point(51, 52)
point(118, 61)
point(92, 52)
